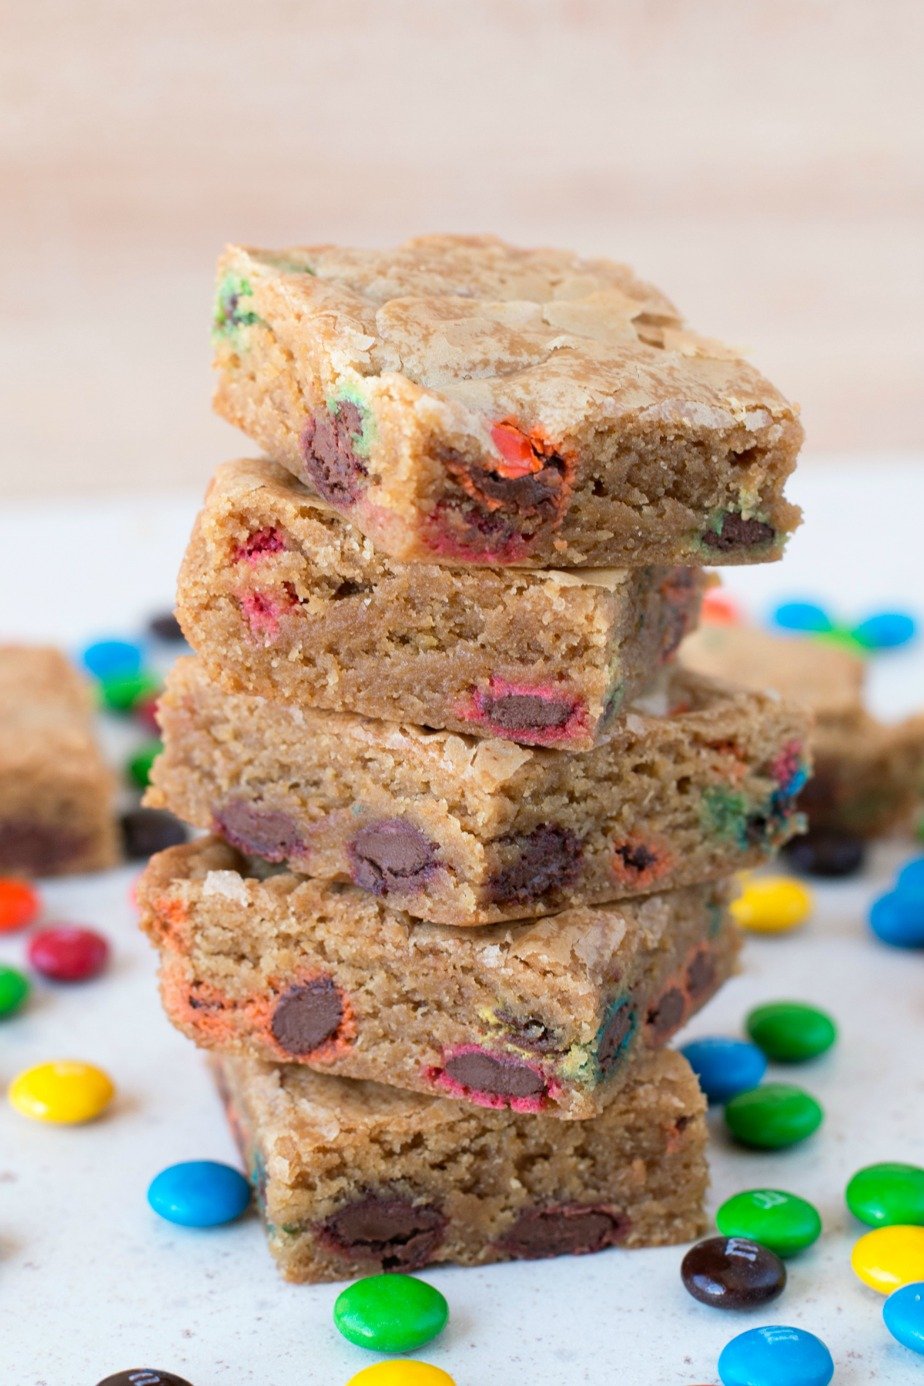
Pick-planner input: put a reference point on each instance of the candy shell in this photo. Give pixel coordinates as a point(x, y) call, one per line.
point(889, 1257)
point(164, 626)
point(112, 658)
point(147, 830)
point(789, 1032)
point(884, 1194)
point(732, 1273)
point(898, 918)
point(775, 1355)
point(885, 630)
point(903, 1313)
point(781, 1221)
point(14, 988)
point(911, 876)
point(802, 616)
point(68, 953)
point(401, 1373)
point(123, 692)
point(139, 764)
point(829, 853)
point(19, 904)
point(144, 1376)
point(772, 905)
point(725, 1066)
point(773, 1116)
point(390, 1313)
point(65, 1092)
point(199, 1193)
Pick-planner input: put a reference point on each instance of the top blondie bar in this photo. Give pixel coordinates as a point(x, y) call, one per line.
point(463, 401)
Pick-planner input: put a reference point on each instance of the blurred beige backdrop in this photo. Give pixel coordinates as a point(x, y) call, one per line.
point(762, 160)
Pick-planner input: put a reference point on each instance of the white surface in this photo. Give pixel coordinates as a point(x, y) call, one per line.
point(91, 1282)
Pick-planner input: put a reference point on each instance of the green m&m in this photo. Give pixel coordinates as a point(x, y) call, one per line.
point(390, 1313)
point(14, 988)
point(139, 765)
point(781, 1221)
point(887, 1195)
point(773, 1116)
point(791, 1032)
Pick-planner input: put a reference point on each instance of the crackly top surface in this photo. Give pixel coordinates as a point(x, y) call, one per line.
point(45, 706)
point(455, 313)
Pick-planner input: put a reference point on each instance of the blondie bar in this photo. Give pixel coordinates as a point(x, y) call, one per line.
point(56, 793)
point(464, 831)
point(869, 775)
point(354, 1177)
point(463, 401)
point(543, 1015)
point(282, 597)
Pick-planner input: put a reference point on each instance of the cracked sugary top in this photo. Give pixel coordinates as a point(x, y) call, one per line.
point(456, 313)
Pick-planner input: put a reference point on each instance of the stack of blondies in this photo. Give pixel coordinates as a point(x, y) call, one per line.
point(472, 826)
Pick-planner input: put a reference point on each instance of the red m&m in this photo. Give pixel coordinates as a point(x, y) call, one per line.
point(68, 953)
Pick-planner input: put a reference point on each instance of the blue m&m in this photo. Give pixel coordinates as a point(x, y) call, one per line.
point(199, 1193)
point(903, 1312)
point(885, 630)
point(775, 1356)
point(106, 659)
point(897, 918)
point(725, 1066)
point(808, 617)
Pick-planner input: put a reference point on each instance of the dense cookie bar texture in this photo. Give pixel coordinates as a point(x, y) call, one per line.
point(464, 401)
point(868, 775)
point(282, 597)
point(56, 794)
point(354, 1178)
point(464, 831)
point(543, 1015)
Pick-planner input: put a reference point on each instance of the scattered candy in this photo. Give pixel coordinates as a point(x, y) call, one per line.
point(144, 1376)
point(898, 917)
point(146, 713)
point(886, 630)
point(19, 904)
point(65, 1092)
point(68, 953)
point(718, 608)
point(889, 1257)
point(146, 831)
point(903, 1313)
point(725, 1066)
point(781, 1221)
point(732, 1273)
point(164, 626)
point(911, 876)
point(772, 904)
point(123, 692)
point(773, 1116)
point(14, 988)
point(802, 616)
point(789, 1032)
point(106, 659)
point(401, 1373)
point(888, 1193)
point(775, 1356)
point(826, 852)
point(199, 1193)
point(390, 1313)
point(139, 764)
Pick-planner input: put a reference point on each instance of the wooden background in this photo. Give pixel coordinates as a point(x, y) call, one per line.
point(763, 160)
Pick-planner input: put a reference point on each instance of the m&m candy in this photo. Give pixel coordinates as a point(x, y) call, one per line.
point(804, 616)
point(903, 1313)
point(390, 1313)
point(139, 763)
point(885, 1194)
point(773, 1116)
point(401, 1373)
point(148, 830)
point(772, 905)
point(14, 988)
point(732, 1273)
point(775, 1355)
point(789, 1032)
point(123, 692)
point(112, 658)
point(897, 918)
point(164, 626)
point(826, 852)
point(911, 876)
point(778, 1220)
point(68, 953)
point(889, 1257)
point(199, 1193)
point(725, 1066)
point(65, 1092)
point(19, 904)
point(885, 630)
point(144, 1376)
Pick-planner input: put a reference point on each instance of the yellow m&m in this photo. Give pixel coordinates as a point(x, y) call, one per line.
point(65, 1092)
point(401, 1374)
point(889, 1257)
point(772, 904)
